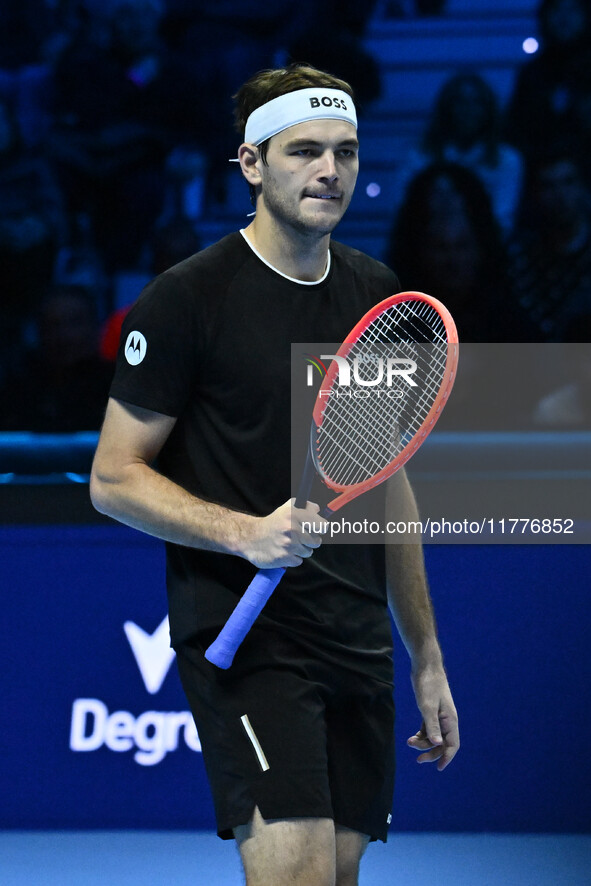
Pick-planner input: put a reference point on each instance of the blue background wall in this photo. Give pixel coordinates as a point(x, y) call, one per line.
point(514, 623)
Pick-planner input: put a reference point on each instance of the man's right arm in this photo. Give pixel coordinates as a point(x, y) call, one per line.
point(124, 485)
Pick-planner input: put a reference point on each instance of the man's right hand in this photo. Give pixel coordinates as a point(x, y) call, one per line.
point(285, 537)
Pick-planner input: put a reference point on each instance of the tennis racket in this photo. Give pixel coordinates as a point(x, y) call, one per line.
point(367, 420)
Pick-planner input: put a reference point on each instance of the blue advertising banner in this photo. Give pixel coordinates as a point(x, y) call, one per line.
point(95, 727)
point(98, 732)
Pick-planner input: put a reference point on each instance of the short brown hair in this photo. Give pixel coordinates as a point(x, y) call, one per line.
point(269, 84)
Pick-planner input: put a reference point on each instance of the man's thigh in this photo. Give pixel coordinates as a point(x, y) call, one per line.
point(296, 851)
point(304, 851)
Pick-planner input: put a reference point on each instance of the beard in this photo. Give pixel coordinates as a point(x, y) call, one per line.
point(291, 209)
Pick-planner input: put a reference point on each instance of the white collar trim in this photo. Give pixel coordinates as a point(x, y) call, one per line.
point(286, 276)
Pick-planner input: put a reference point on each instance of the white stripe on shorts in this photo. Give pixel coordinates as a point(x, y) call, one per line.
point(255, 742)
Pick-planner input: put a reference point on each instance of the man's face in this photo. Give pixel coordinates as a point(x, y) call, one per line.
point(310, 174)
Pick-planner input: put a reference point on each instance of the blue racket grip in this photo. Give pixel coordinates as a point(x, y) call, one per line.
point(223, 649)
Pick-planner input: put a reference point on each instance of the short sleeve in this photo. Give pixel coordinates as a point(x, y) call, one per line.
point(160, 347)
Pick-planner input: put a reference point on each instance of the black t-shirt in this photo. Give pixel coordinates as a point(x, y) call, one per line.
point(217, 332)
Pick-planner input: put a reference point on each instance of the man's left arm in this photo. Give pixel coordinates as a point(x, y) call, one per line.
point(412, 610)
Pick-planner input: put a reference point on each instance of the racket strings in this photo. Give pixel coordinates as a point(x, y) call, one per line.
point(356, 442)
point(415, 322)
point(368, 424)
point(359, 440)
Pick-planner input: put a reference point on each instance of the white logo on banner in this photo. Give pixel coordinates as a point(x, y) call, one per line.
point(152, 652)
point(153, 734)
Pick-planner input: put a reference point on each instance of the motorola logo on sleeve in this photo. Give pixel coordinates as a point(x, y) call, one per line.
point(152, 734)
point(135, 348)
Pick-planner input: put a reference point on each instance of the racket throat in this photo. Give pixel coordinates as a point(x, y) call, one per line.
point(306, 481)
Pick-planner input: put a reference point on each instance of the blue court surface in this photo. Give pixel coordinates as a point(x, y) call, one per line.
point(162, 858)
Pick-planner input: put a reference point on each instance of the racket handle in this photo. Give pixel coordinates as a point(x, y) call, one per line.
point(223, 649)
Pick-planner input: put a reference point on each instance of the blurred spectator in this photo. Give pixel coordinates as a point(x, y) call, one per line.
point(227, 42)
point(232, 40)
point(171, 243)
point(62, 386)
point(236, 39)
point(553, 89)
point(344, 54)
point(79, 263)
point(25, 76)
point(464, 128)
point(32, 225)
point(550, 250)
point(582, 124)
point(123, 100)
point(111, 333)
point(186, 173)
point(569, 406)
point(446, 242)
point(24, 28)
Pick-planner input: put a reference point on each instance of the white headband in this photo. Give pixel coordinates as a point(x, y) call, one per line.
point(315, 103)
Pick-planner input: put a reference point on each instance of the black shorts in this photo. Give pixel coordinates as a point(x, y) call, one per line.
point(293, 735)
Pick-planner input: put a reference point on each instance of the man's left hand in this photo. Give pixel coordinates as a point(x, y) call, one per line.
point(438, 736)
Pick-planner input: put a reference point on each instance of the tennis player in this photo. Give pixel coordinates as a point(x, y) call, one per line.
point(298, 734)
